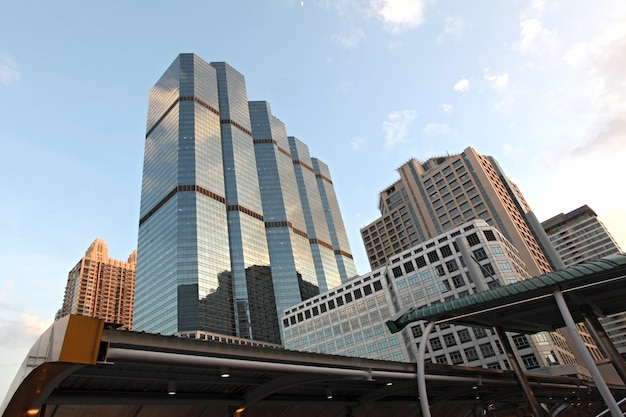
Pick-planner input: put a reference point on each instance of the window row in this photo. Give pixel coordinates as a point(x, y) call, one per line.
point(331, 304)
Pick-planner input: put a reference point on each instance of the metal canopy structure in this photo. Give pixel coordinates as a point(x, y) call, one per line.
point(81, 368)
point(593, 290)
point(528, 306)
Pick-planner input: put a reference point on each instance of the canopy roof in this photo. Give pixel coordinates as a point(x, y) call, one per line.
point(528, 306)
point(89, 371)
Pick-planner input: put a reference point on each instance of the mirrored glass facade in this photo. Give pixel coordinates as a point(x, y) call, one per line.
point(224, 241)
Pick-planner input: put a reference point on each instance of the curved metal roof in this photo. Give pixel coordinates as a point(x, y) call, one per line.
point(528, 306)
point(79, 368)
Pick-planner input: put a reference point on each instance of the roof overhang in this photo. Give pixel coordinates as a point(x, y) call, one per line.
point(139, 374)
point(529, 306)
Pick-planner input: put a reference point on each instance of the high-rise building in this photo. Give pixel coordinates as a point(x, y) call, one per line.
point(444, 192)
point(228, 197)
point(101, 287)
point(579, 237)
point(350, 319)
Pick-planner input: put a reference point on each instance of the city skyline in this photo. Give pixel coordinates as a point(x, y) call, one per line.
point(367, 85)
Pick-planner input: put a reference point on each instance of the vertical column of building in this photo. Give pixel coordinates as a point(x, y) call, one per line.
point(320, 241)
point(155, 293)
point(338, 235)
point(183, 225)
point(246, 235)
point(504, 213)
point(288, 242)
point(410, 174)
point(71, 291)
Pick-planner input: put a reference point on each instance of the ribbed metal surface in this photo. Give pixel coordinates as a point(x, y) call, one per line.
point(136, 371)
point(600, 283)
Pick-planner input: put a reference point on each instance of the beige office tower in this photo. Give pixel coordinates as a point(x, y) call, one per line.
point(580, 237)
point(443, 192)
point(101, 287)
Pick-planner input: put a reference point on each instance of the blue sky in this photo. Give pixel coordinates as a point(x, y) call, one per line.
point(366, 84)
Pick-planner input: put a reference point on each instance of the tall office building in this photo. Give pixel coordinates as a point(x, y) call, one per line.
point(350, 319)
point(101, 287)
point(226, 197)
point(443, 192)
point(579, 237)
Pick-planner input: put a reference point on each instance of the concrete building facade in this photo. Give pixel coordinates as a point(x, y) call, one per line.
point(441, 193)
point(101, 287)
point(579, 237)
point(350, 320)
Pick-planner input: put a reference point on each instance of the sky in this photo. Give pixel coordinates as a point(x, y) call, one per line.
point(366, 84)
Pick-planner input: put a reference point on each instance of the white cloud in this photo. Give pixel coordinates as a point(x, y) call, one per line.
point(400, 14)
point(21, 331)
point(600, 64)
point(535, 9)
point(513, 151)
point(350, 39)
point(9, 71)
point(607, 133)
point(447, 107)
point(535, 39)
point(571, 180)
point(498, 82)
point(357, 144)
point(345, 86)
point(33, 325)
point(438, 129)
point(454, 26)
point(595, 103)
point(396, 126)
point(462, 85)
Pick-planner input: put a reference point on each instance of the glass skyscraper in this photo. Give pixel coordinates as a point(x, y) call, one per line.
point(229, 205)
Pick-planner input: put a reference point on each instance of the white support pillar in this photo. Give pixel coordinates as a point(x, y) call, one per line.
point(421, 371)
point(589, 362)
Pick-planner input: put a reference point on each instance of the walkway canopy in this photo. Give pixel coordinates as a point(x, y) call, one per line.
point(528, 306)
point(80, 367)
point(593, 290)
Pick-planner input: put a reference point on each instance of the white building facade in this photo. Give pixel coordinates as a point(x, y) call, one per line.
point(351, 319)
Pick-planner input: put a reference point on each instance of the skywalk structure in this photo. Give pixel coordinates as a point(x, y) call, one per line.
point(543, 303)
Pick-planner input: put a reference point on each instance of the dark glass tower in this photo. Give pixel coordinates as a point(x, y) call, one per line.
point(223, 209)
